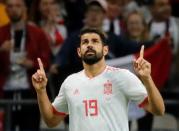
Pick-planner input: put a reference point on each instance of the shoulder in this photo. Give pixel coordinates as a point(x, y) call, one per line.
point(73, 77)
point(34, 28)
point(119, 72)
point(124, 78)
point(35, 32)
point(116, 69)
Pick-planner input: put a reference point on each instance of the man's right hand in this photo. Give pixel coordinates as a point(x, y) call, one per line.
point(39, 79)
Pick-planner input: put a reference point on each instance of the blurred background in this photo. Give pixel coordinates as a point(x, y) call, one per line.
point(49, 29)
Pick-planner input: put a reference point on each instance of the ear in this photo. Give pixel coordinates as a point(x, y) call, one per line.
point(105, 50)
point(79, 52)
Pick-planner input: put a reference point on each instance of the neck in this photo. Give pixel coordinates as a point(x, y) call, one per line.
point(95, 69)
point(18, 25)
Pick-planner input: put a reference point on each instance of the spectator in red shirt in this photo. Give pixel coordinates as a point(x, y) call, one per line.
point(20, 45)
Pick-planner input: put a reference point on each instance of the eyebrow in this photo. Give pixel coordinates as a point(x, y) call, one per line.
point(84, 40)
point(95, 39)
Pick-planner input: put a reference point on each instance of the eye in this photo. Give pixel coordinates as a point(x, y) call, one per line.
point(95, 40)
point(85, 41)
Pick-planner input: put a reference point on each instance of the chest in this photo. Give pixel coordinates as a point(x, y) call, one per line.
point(91, 96)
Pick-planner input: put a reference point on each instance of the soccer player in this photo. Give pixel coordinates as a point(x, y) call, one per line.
point(97, 97)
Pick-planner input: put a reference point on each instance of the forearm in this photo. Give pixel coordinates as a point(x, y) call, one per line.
point(44, 105)
point(46, 110)
point(155, 100)
point(39, 81)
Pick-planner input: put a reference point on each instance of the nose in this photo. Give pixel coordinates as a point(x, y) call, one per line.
point(90, 46)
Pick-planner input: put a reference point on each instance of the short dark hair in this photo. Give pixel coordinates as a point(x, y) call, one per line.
point(96, 31)
point(94, 3)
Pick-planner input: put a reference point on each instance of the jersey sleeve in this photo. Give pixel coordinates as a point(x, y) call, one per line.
point(134, 90)
point(60, 106)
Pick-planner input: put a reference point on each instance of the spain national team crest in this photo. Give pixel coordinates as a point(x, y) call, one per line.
point(108, 88)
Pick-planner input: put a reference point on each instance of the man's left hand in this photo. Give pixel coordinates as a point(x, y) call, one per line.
point(142, 67)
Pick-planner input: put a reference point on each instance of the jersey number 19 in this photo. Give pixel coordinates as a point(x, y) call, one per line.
point(91, 107)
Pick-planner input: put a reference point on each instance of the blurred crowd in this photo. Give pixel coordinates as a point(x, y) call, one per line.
point(49, 29)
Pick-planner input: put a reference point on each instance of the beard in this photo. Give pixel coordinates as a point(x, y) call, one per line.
point(15, 19)
point(93, 58)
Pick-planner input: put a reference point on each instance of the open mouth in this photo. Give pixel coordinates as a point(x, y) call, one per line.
point(90, 52)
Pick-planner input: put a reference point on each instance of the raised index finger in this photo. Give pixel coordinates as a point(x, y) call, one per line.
point(41, 65)
point(142, 52)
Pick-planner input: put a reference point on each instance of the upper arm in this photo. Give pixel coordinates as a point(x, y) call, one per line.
point(134, 89)
point(55, 119)
point(60, 105)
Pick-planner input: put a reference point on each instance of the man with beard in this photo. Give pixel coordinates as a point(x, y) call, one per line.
point(97, 97)
point(19, 47)
point(67, 60)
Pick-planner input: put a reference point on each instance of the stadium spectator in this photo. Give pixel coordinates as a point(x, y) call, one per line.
point(162, 22)
point(113, 21)
point(53, 24)
point(20, 44)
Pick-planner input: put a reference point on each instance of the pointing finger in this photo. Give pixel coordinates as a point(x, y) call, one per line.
point(142, 52)
point(41, 65)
